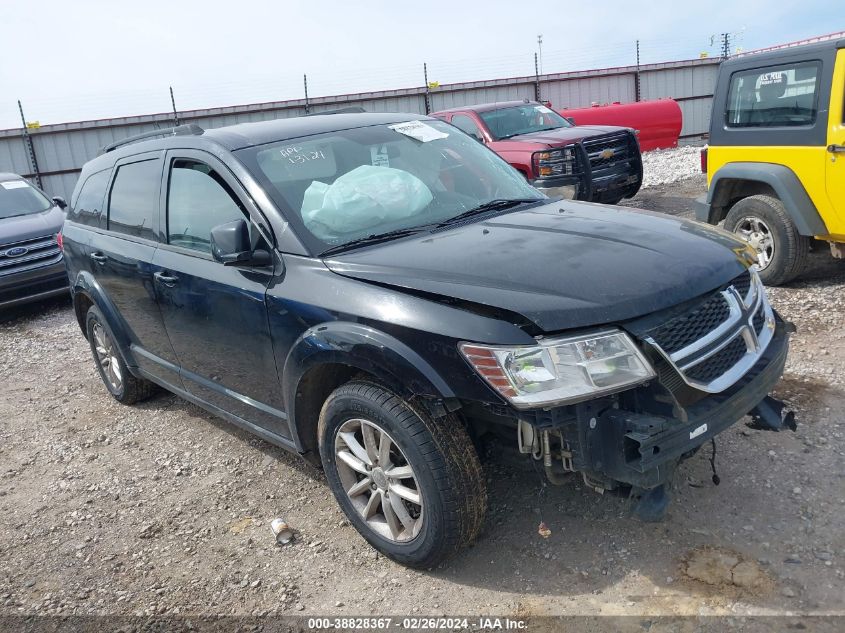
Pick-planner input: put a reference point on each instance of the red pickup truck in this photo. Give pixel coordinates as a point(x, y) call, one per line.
point(600, 163)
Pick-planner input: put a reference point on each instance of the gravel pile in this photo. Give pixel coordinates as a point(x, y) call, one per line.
point(664, 166)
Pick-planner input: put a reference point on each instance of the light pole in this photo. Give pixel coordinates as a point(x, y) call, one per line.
point(540, 46)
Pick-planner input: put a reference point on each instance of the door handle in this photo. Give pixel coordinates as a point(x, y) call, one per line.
point(836, 149)
point(99, 258)
point(165, 279)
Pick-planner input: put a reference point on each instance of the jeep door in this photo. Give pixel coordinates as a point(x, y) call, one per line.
point(121, 259)
point(836, 151)
point(215, 315)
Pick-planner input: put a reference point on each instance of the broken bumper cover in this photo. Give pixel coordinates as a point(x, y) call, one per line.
point(641, 449)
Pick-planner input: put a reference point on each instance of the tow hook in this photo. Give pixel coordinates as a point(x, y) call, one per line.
point(772, 415)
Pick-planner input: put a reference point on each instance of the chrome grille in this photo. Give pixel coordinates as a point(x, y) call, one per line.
point(720, 362)
point(606, 151)
point(25, 255)
point(717, 342)
point(687, 328)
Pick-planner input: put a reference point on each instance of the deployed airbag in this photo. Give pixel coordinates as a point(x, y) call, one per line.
point(363, 198)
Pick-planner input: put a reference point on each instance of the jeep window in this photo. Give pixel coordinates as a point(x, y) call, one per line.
point(134, 198)
point(198, 199)
point(775, 96)
point(88, 205)
point(341, 186)
point(17, 197)
point(524, 119)
point(463, 122)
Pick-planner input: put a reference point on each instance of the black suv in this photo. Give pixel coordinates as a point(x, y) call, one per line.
point(383, 295)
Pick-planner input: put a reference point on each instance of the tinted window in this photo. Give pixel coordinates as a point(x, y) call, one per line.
point(17, 197)
point(463, 122)
point(197, 201)
point(88, 206)
point(776, 96)
point(134, 198)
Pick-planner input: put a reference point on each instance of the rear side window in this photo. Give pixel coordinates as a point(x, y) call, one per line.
point(88, 207)
point(463, 122)
point(197, 201)
point(134, 198)
point(775, 96)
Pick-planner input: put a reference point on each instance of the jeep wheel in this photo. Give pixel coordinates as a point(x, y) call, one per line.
point(763, 222)
point(122, 385)
point(410, 484)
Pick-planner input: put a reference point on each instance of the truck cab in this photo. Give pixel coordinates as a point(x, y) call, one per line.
point(776, 157)
point(598, 163)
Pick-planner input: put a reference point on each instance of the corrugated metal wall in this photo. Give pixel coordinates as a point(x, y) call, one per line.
point(62, 149)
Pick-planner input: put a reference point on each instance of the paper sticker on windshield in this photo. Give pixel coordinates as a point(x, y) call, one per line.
point(378, 156)
point(543, 109)
point(419, 131)
point(14, 184)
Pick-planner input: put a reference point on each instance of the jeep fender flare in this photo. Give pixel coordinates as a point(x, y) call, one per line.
point(369, 350)
point(783, 181)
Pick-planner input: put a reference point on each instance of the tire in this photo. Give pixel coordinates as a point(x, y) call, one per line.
point(121, 384)
point(445, 474)
point(782, 250)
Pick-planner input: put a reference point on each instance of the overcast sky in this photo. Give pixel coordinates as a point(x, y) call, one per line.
point(82, 59)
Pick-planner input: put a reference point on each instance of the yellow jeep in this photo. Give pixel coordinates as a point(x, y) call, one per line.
point(776, 157)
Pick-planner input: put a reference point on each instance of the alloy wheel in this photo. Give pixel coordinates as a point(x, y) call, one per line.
point(107, 357)
point(379, 480)
point(758, 234)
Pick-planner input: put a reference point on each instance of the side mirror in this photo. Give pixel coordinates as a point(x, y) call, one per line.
point(230, 245)
point(59, 202)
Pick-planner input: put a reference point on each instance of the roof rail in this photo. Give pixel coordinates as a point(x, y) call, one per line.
point(191, 129)
point(347, 110)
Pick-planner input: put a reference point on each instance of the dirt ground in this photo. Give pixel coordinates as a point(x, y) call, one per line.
point(163, 509)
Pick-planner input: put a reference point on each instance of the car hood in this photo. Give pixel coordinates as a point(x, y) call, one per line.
point(26, 227)
point(561, 265)
point(565, 135)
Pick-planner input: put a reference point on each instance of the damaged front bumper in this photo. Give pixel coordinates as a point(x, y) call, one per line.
point(617, 442)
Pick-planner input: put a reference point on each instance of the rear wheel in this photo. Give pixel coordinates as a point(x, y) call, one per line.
point(763, 222)
point(410, 484)
point(122, 385)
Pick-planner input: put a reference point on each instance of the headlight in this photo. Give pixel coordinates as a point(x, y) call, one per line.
point(561, 370)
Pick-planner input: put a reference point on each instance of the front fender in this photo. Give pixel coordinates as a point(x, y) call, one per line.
point(363, 347)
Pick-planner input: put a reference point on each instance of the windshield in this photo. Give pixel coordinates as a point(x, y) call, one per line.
point(17, 197)
point(524, 119)
point(343, 186)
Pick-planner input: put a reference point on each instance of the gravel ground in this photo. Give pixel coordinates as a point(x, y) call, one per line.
point(665, 166)
point(162, 509)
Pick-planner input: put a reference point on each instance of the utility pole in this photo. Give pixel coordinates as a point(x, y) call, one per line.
point(173, 103)
point(540, 46)
point(30, 148)
point(726, 45)
point(637, 78)
point(536, 79)
point(305, 84)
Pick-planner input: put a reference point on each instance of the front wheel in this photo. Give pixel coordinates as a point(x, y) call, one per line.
point(763, 222)
point(410, 484)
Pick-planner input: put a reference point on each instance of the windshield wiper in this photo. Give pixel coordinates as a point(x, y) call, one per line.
point(376, 238)
point(493, 205)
